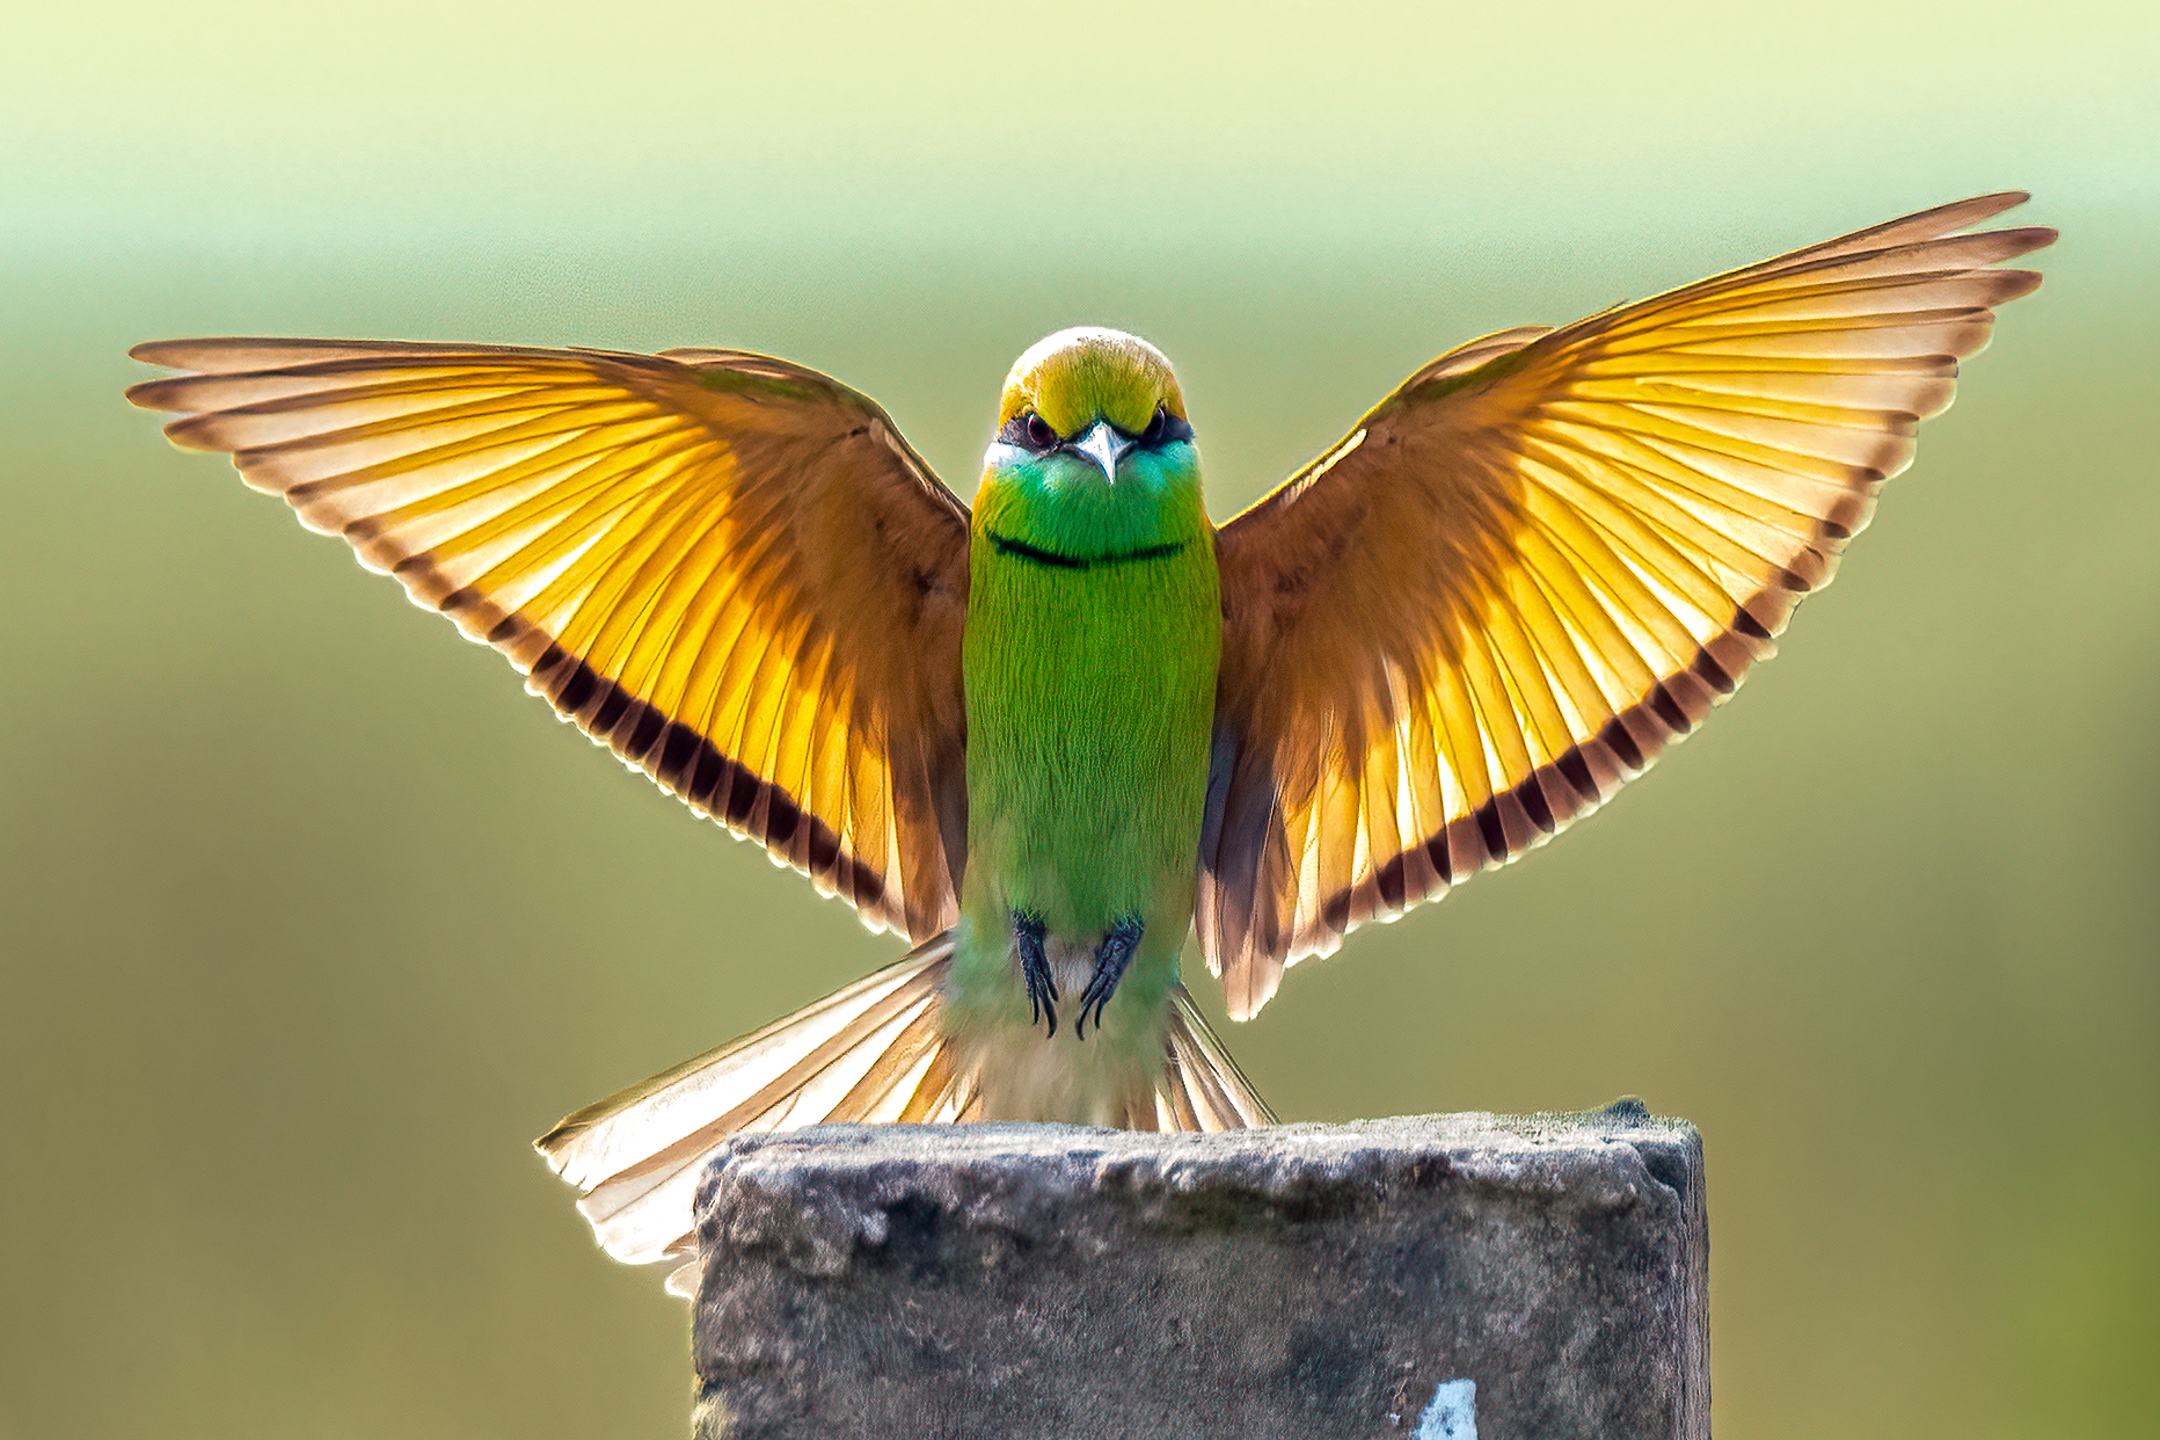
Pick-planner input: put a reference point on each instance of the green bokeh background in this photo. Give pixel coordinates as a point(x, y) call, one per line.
point(310, 918)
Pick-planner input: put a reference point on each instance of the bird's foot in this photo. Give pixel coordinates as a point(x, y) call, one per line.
point(1035, 969)
point(1111, 958)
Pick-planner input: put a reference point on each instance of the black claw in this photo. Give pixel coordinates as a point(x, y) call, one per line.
point(1035, 969)
point(1111, 958)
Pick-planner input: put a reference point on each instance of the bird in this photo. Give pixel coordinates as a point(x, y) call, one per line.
point(1051, 736)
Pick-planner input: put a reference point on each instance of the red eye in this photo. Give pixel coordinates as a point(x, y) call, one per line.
point(1039, 433)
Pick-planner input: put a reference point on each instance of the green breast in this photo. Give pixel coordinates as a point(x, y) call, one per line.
point(1090, 685)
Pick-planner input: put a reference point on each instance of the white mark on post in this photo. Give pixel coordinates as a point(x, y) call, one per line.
point(1452, 1414)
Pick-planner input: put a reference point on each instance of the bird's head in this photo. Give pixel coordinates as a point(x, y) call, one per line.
point(1093, 453)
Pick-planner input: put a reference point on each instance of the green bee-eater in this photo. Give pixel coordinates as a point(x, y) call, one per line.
point(1048, 737)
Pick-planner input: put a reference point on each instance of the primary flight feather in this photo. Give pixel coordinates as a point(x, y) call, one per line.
point(1049, 736)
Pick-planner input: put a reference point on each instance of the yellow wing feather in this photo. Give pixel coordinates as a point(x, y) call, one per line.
point(1546, 557)
point(730, 570)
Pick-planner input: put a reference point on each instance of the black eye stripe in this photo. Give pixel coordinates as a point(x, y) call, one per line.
point(1029, 431)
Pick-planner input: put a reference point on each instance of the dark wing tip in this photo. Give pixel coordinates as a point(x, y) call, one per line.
point(1978, 208)
point(160, 394)
point(153, 352)
point(2015, 286)
point(2026, 238)
point(213, 354)
point(149, 395)
point(239, 354)
point(191, 429)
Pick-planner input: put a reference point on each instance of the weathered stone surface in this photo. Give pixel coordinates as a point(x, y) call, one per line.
point(1332, 1281)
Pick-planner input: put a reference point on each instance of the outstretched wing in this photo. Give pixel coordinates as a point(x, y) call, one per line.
point(1545, 558)
point(730, 570)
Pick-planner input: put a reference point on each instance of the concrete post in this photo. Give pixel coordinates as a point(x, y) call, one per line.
point(1438, 1278)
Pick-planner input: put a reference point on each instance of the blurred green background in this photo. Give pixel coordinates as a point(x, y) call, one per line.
point(310, 918)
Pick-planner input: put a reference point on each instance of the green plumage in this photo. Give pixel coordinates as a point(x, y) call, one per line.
point(1093, 634)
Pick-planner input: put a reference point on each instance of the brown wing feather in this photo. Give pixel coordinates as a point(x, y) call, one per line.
point(1545, 558)
point(728, 569)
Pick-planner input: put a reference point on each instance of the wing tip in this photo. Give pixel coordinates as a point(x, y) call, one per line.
point(150, 395)
point(203, 355)
point(554, 1147)
point(1971, 211)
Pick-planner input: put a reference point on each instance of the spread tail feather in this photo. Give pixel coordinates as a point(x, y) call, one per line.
point(1201, 1087)
point(871, 1052)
